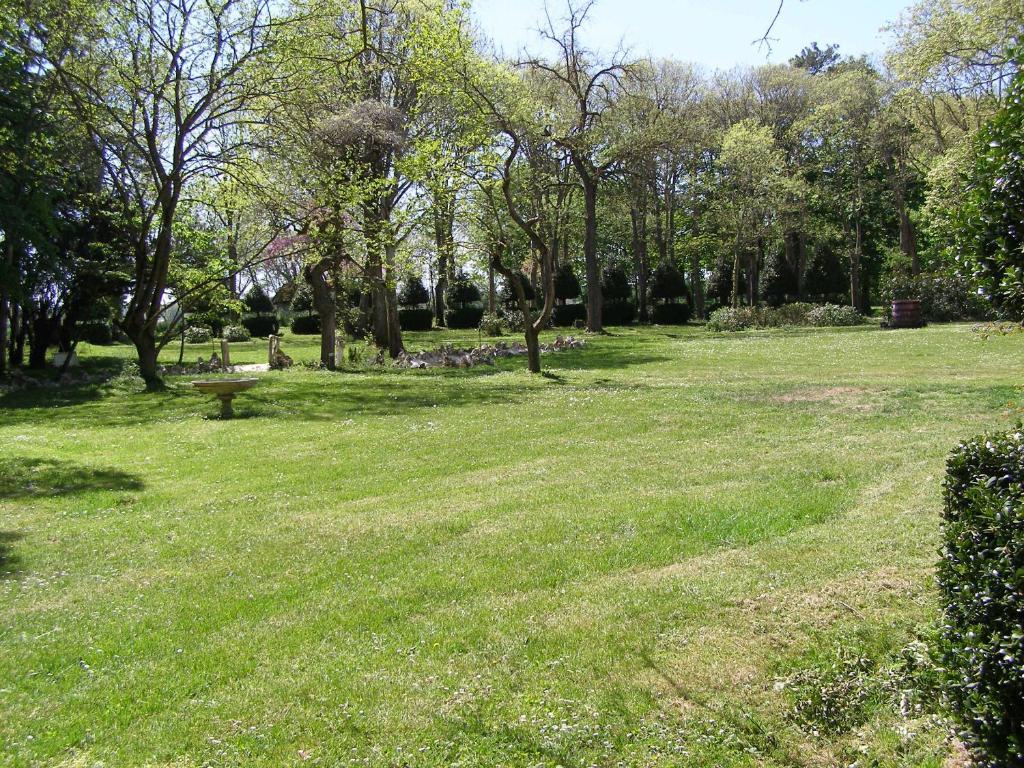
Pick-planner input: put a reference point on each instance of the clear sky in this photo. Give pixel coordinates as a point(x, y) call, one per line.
point(714, 33)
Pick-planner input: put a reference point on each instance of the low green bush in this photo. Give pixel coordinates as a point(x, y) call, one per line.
point(831, 315)
point(797, 314)
point(491, 325)
point(618, 313)
point(670, 314)
point(981, 583)
point(306, 325)
point(197, 334)
point(566, 315)
point(464, 317)
point(236, 333)
point(416, 319)
point(262, 326)
point(731, 319)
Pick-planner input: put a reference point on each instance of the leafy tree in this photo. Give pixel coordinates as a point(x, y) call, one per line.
point(994, 233)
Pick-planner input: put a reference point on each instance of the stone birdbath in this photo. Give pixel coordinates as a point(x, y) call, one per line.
point(225, 391)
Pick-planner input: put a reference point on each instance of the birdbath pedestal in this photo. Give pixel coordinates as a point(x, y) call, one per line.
point(225, 391)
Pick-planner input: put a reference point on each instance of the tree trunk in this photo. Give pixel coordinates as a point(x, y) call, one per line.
point(855, 258)
point(594, 298)
point(638, 219)
point(908, 239)
point(326, 308)
point(145, 346)
point(18, 331)
point(492, 297)
point(7, 275)
point(801, 266)
point(532, 349)
point(736, 274)
point(444, 238)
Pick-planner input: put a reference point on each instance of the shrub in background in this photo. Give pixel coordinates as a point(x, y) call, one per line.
point(261, 326)
point(197, 334)
point(667, 283)
point(981, 584)
point(462, 292)
point(413, 294)
point(566, 315)
point(416, 319)
point(236, 333)
point(491, 325)
point(514, 320)
point(257, 301)
point(464, 317)
point(567, 285)
point(831, 315)
point(95, 332)
point(730, 319)
point(618, 313)
point(306, 325)
point(944, 298)
point(671, 314)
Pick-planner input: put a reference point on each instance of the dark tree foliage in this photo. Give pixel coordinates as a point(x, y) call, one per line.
point(981, 583)
point(615, 285)
point(816, 60)
point(567, 285)
point(413, 293)
point(257, 301)
point(994, 226)
point(508, 292)
point(462, 291)
point(667, 283)
point(302, 301)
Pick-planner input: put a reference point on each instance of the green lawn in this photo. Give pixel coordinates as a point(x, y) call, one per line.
point(623, 563)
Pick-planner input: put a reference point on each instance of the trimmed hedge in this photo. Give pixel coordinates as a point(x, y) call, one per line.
point(416, 319)
point(95, 332)
point(566, 315)
point(671, 314)
point(306, 325)
point(261, 326)
point(981, 583)
point(464, 317)
point(618, 313)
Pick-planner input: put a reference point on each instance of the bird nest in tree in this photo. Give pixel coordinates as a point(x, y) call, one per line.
point(368, 122)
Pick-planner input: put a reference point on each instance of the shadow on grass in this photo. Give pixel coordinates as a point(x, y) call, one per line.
point(10, 563)
point(23, 476)
point(319, 396)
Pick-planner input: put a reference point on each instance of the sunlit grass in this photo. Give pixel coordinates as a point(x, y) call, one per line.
point(619, 564)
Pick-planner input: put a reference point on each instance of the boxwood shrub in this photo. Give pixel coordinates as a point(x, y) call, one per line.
point(261, 326)
point(981, 583)
point(566, 315)
point(306, 325)
point(671, 314)
point(618, 313)
point(416, 319)
point(235, 333)
point(464, 317)
point(198, 334)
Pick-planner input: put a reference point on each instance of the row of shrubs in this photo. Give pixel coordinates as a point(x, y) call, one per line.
point(797, 314)
point(200, 334)
point(944, 298)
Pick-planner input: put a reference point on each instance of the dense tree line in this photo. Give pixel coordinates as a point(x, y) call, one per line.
point(159, 159)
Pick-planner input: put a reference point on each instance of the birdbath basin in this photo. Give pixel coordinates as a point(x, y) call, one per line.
point(225, 391)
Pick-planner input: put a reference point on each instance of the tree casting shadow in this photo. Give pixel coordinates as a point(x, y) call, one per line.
point(24, 476)
point(9, 562)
